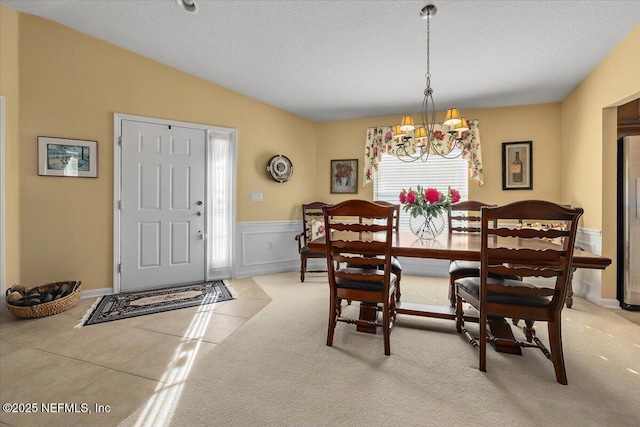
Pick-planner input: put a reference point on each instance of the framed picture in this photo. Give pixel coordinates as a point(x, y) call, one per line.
point(344, 176)
point(67, 157)
point(517, 165)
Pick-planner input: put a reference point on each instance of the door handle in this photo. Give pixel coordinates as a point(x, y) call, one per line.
point(199, 213)
point(199, 203)
point(201, 234)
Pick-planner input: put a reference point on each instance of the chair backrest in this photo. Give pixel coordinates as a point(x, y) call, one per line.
point(359, 233)
point(541, 224)
point(312, 219)
point(465, 217)
point(396, 213)
point(533, 256)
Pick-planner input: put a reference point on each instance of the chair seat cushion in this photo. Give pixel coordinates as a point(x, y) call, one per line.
point(472, 269)
point(364, 286)
point(464, 268)
point(472, 286)
point(396, 267)
point(305, 250)
point(395, 264)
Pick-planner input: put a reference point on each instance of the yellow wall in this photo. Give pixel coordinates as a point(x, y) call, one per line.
point(71, 85)
point(537, 123)
point(590, 142)
point(9, 81)
point(59, 82)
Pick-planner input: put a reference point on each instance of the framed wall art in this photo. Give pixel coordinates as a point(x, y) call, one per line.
point(517, 165)
point(67, 157)
point(344, 176)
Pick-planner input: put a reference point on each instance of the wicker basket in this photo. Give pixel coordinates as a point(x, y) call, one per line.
point(51, 307)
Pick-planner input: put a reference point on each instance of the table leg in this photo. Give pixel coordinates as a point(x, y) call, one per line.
point(569, 298)
point(369, 313)
point(505, 341)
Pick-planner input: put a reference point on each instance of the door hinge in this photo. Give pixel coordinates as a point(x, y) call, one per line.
point(120, 268)
point(120, 140)
point(120, 204)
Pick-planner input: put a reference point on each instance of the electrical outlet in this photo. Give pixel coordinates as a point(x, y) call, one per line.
point(256, 197)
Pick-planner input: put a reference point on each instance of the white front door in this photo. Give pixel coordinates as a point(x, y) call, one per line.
point(163, 211)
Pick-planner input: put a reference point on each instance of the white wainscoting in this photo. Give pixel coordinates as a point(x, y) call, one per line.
point(587, 282)
point(266, 247)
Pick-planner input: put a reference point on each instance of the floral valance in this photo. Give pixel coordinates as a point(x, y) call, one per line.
point(380, 140)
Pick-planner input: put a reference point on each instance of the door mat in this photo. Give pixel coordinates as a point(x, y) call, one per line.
point(132, 304)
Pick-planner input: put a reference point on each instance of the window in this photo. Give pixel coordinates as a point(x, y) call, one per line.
point(220, 205)
point(393, 175)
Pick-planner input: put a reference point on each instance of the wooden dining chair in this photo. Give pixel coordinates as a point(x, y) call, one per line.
point(533, 256)
point(558, 225)
point(312, 228)
point(396, 267)
point(464, 217)
point(359, 236)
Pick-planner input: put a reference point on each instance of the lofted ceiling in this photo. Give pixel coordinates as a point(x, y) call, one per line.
point(333, 60)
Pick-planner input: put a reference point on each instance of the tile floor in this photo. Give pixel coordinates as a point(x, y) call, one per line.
point(121, 364)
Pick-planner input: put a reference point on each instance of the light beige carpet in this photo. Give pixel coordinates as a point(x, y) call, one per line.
point(276, 370)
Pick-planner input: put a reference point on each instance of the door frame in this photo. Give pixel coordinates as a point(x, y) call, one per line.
point(2, 205)
point(117, 182)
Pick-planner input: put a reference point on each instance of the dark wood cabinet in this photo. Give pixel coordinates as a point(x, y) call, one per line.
point(629, 118)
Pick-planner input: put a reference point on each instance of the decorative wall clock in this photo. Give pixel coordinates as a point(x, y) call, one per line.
point(280, 168)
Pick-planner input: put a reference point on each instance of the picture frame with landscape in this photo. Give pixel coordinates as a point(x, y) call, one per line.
point(344, 176)
point(517, 165)
point(67, 157)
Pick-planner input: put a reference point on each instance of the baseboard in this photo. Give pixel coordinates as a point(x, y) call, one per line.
point(610, 303)
point(94, 293)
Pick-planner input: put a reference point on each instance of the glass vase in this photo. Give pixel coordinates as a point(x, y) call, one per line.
point(426, 226)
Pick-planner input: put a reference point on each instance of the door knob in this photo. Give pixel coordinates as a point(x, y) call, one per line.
point(199, 203)
point(199, 213)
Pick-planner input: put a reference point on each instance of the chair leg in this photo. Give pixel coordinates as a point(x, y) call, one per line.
point(333, 314)
point(303, 268)
point(483, 342)
point(399, 276)
point(386, 329)
point(393, 312)
point(452, 290)
point(569, 298)
point(459, 314)
point(557, 356)
point(528, 330)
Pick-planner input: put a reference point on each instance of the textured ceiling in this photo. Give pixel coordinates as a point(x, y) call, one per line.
point(332, 60)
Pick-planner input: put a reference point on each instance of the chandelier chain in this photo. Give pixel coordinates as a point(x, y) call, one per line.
point(428, 74)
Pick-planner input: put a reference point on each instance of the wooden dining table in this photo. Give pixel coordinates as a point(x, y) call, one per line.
point(465, 247)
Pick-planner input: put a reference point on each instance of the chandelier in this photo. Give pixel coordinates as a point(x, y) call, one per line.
point(411, 148)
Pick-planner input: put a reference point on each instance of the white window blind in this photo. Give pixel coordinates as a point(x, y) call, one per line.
point(220, 202)
point(393, 175)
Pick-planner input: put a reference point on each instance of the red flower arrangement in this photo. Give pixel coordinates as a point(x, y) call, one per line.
point(428, 201)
